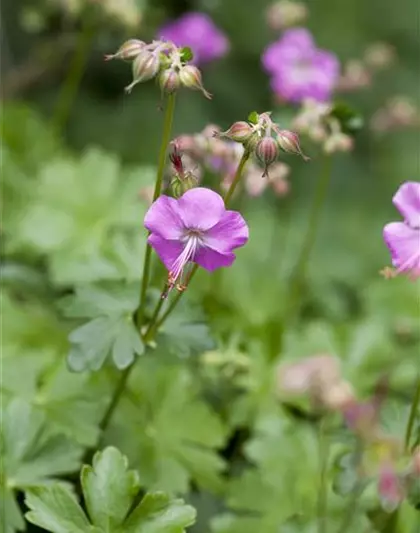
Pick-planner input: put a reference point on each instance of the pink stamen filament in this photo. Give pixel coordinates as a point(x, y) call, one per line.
point(193, 242)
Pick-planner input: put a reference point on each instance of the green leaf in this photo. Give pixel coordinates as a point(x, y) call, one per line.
point(157, 513)
point(76, 209)
point(110, 492)
point(186, 54)
point(109, 488)
point(253, 117)
point(185, 333)
point(282, 485)
point(351, 121)
point(30, 455)
point(111, 332)
point(54, 508)
point(168, 455)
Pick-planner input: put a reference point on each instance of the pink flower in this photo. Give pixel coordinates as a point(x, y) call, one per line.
point(403, 238)
point(299, 69)
point(196, 228)
point(199, 32)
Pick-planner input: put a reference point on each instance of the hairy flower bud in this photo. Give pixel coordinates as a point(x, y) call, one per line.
point(190, 77)
point(289, 143)
point(145, 67)
point(239, 132)
point(181, 185)
point(128, 50)
point(169, 81)
point(267, 151)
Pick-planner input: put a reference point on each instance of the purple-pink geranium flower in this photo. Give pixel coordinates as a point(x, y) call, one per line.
point(299, 69)
point(199, 32)
point(195, 228)
point(403, 238)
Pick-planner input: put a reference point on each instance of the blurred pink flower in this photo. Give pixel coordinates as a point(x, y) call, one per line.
point(299, 69)
point(403, 238)
point(198, 31)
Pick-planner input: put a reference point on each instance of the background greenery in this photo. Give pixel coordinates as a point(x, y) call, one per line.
point(200, 419)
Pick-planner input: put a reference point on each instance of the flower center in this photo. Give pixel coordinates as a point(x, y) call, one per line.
point(192, 241)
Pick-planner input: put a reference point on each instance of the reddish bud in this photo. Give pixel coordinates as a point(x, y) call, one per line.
point(128, 50)
point(169, 81)
point(190, 77)
point(390, 488)
point(289, 142)
point(145, 67)
point(267, 151)
point(239, 132)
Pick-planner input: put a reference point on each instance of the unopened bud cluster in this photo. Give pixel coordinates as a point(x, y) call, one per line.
point(315, 120)
point(359, 73)
point(212, 151)
point(285, 13)
point(398, 113)
point(161, 60)
point(264, 139)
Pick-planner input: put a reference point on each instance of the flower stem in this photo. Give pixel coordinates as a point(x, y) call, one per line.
point(412, 417)
point(310, 237)
point(237, 177)
point(74, 76)
point(323, 447)
point(166, 136)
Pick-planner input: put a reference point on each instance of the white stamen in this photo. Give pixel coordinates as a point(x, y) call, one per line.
point(193, 242)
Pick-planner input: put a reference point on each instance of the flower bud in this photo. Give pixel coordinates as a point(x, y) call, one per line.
point(285, 13)
point(180, 185)
point(289, 143)
point(338, 142)
point(390, 487)
point(169, 81)
point(267, 151)
point(239, 132)
point(128, 50)
point(190, 77)
point(145, 67)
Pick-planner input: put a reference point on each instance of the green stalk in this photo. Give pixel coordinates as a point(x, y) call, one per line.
point(156, 324)
point(412, 417)
point(323, 452)
point(74, 76)
point(166, 136)
point(310, 237)
point(122, 382)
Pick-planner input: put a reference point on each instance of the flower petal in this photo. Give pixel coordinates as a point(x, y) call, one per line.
point(404, 245)
point(229, 233)
point(163, 218)
point(407, 201)
point(167, 250)
point(200, 208)
point(212, 260)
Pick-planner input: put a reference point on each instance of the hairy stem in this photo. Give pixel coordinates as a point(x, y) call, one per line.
point(74, 76)
point(412, 417)
point(310, 237)
point(166, 136)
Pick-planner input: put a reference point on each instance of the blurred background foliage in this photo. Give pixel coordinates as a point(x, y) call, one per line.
point(72, 216)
